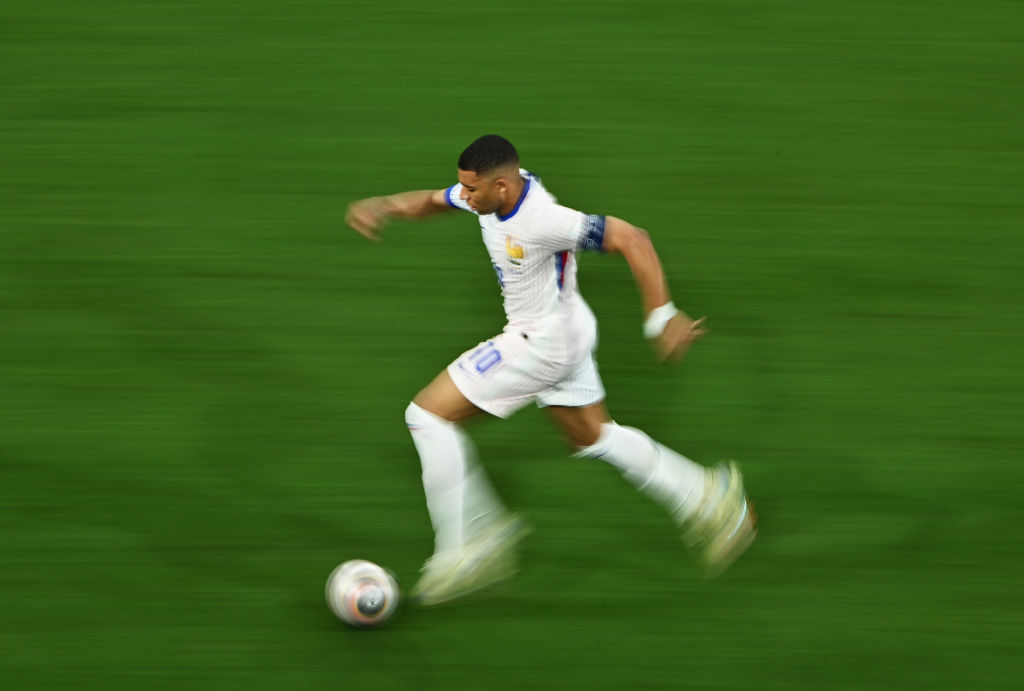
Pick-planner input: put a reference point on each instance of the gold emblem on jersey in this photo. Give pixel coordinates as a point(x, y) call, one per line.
point(513, 251)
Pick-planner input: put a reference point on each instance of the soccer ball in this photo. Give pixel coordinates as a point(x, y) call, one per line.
point(362, 594)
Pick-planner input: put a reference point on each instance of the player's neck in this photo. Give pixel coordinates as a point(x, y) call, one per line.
point(515, 189)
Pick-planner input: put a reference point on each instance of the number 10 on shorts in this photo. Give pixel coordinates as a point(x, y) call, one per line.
point(485, 357)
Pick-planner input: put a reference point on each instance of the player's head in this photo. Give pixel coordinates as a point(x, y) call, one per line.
point(489, 173)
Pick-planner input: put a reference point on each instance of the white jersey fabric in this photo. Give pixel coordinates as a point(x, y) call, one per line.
point(545, 350)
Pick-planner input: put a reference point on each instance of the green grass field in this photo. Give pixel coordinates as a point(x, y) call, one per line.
point(203, 371)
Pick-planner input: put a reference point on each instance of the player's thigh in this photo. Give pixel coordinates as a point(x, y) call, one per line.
point(576, 404)
point(442, 398)
point(581, 425)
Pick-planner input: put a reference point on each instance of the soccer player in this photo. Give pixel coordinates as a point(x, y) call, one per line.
point(545, 354)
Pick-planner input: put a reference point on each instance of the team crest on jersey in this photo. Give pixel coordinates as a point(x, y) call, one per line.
point(514, 251)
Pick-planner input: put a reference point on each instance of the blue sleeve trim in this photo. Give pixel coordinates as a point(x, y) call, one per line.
point(592, 235)
point(448, 197)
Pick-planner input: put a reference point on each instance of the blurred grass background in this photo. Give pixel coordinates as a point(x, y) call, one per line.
point(203, 371)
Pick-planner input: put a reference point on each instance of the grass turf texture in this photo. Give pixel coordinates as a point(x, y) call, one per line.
point(204, 372)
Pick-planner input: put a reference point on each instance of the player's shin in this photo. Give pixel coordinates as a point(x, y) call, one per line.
point(460, 499)
point(674, 481)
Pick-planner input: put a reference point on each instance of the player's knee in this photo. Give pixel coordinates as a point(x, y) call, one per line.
point(591, 441)
point(586, 436)
point(417, 417)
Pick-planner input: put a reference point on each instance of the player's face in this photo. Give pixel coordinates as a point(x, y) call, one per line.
point(484, 194)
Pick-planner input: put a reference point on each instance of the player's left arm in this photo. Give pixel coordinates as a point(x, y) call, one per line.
point(670, 330)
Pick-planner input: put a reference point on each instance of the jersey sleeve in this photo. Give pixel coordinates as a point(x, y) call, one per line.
point(563, 229)
point(452, 196)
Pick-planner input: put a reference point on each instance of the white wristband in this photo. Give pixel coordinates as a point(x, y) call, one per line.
point(658, 319)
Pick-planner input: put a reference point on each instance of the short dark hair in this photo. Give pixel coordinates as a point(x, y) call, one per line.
point(488, 153)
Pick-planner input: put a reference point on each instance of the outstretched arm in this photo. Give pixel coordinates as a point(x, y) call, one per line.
point(368, 216)
point(670, 330)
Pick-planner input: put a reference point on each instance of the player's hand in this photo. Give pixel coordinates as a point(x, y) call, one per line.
point(679, 334)
point(367, 217)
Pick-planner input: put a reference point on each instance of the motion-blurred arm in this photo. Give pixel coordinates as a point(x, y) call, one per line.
point(368, 216)
point(671, 331)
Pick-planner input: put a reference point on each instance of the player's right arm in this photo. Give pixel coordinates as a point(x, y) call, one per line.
point(368, 216)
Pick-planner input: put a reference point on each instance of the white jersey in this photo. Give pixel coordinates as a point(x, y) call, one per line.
point(533, 250)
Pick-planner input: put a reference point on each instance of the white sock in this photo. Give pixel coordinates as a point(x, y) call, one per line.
point(460, 499)
point(674, 481)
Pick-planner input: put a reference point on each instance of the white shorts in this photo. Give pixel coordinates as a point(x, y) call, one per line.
point(502, 375)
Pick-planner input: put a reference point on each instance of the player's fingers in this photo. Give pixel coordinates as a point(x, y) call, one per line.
point(688, 338)
point(365, 216)
point(352, 217)
point(363, 228)
point(698, 329)
point(355, 222)
point(363, 220)
point(362, 210)
point(368, 233)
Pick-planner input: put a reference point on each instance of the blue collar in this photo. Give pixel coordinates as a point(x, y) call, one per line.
point(526, 189)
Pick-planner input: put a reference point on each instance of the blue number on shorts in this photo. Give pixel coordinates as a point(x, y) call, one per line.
point(485, 357)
